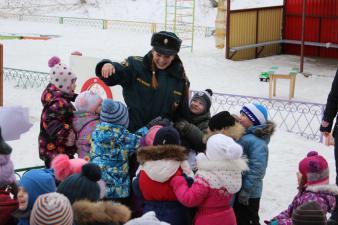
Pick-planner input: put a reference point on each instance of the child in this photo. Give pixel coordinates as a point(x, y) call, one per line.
point(254, 118)
point(148, 218)
point(100, 213)
point(88, 106)
point(56, 132)
point(192, 130)
point(51, 209)
point(111, 147)
point(313, 185)
point(32, 184)
point(218, 177)
point(8, 204)
point(158, 164)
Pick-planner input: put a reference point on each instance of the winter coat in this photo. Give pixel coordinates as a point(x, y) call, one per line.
point(169, 99)
point(194, 130)
point(214, 185)
point(111, 147)
point(103, 213)
point(331, 108)
point(55, 124)
point(158, 164)
point(7, 206)
point(324, 195)
point(255, 147)
point(84, 124)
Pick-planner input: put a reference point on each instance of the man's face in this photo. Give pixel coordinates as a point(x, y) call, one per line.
point(162, 61)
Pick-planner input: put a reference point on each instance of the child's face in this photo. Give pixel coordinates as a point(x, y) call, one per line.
point(22, 198)
point(196, 106)
point(245, 121)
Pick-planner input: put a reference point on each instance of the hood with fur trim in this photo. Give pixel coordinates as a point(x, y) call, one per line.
point(222, 174)
point(235, 132)
point(161, 152)
point(107, 212)
point(331, 189)
point(263, 131)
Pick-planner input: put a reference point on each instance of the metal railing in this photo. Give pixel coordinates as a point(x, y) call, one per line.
point(26, 78)
point(135, 26)
point(297, 117)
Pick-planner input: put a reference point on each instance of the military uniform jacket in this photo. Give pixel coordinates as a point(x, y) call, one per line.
point(145, 103)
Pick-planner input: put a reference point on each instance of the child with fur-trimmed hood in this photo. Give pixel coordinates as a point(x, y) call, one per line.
point(313, 185)
point(218, 177)
point(258, 130)
point(158, 165)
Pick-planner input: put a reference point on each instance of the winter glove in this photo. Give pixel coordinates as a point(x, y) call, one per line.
point(272, 222)
point(158, 121)
point(70, 141)
point(182, 126)
point(189, 180)
point(243, 198)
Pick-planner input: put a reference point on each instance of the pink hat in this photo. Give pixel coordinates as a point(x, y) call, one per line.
point(149, 138)
point(64, 167)
point(314, 169)
point(87, 101)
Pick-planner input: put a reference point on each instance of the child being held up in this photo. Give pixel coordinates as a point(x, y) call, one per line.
point(56, 131)
point(112, 144)
point(218, 178)
point(258, 130)
point(86, 117)
point(313, 185)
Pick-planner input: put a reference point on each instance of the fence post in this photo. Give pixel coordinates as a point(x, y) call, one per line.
point(61, 20)
point(1, 75)
point(153, 28)
point(105, 24)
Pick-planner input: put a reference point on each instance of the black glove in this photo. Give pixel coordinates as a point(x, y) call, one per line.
point(189, 180)
point(158, 121)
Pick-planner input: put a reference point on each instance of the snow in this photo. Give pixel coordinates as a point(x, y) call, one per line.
point(206, 67)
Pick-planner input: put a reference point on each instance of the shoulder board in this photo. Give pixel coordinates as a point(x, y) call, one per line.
point(124, 63)
point(137, 58)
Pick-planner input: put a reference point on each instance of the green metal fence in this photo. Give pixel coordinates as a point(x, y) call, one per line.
point(26, 78)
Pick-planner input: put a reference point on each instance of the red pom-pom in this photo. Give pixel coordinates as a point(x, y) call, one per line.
point(62, 168)
point(312, 153)
point(53, 61)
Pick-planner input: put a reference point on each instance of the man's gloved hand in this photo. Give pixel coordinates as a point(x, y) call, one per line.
point(243, 198)
point(158, 121)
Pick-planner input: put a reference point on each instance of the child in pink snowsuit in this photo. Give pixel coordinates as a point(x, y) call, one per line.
point(218, 177)
point(86, 116)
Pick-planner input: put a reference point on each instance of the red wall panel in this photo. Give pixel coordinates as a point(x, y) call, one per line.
point(321, 25)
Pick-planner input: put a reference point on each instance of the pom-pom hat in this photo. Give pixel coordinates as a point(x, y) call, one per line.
point(167, 136)
point(314, 169)
point(308, 213)
point(82, 186)
point(64, 167)
point(256, 112)
point(61, 75)
point(205, 97)
point(114, 112)
point(221, 120)
point(87, 101)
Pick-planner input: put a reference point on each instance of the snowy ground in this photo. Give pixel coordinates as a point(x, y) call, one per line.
point(206, 68)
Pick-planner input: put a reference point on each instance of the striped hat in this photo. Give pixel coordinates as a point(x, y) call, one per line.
point(52, 208)
point(309, 213)
point(256, 112)
point(114, 112)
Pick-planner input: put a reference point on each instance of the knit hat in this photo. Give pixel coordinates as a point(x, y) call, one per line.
point(314, 169)
point(221, 120)
point(222, 147)
point(256, 112)
point(166, 43)
point(205, 97)
point(82, 186)
point(50, 209)
point(309, 213)
point(60, 75)
point(64, 167)
point(150, 136)
point(5, 149)
point(87, 101)
point(167, 136)
point(37, 182)
point(148, 218)
point(114, 112)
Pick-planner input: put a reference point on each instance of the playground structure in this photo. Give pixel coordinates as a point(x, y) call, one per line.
point(180, 19)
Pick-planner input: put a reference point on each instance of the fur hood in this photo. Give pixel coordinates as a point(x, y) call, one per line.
point(323, 188)
point(235, 132)
point(263, 131)
point(209, 165)
point(160, 152)
point(107, 212)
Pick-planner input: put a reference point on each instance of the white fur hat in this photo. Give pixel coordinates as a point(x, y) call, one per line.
point(221, 147)
point(147, 219)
